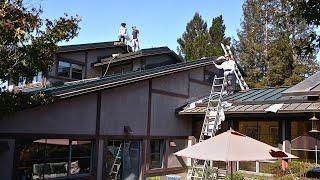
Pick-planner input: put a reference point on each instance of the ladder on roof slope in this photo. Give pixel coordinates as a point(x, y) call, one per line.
point(242, 83)
point(213, 118)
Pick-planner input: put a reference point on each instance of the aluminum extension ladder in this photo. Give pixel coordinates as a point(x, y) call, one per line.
point(213, 117)
point(114, 171)
point(210, 125)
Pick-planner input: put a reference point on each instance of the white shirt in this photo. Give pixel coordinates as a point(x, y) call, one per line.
point(227, 65)
point(122, 31)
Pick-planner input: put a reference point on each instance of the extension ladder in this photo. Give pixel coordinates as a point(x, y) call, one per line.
point(214, 117)
point(210, 125)
point(114, 171)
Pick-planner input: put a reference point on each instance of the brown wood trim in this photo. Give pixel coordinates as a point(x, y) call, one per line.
point(199, 82)
point(60, 58)
point(98, 113)
point(164, 171)
point(97, 142)
point(15, 159)
point(86, 64)
point(85, 136)
point(147, 150)
point(34, 136)
point(143, 160)
point(167, 93)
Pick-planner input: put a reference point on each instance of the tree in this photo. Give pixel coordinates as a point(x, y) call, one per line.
point(197, 41)
point(267, 44)
point(194, 43)
point(28, 44)
point(217, 35)
point(308, 10)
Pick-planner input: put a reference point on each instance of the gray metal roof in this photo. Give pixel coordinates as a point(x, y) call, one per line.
point(89, 46)
point(138, 54)
point(257, 101)
point(95, 84)
point(310, 86)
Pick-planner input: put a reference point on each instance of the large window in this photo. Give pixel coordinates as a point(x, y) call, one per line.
point(265, 131)
point(69, 70)
point(304, 144)
point(122, 159)
point(157, 148)
point(52, 158)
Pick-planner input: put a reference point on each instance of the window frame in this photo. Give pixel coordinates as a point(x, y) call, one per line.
point(161, 153)
point(68, 157)
point(70, 62)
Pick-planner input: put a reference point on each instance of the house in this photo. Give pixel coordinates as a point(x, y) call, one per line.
point(278, 116)
point(127, 119)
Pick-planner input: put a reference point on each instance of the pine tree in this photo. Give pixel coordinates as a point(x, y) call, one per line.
point(217, 35)
point(197, 42)
point(267, 44)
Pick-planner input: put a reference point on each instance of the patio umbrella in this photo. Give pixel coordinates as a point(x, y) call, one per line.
point(233, 146)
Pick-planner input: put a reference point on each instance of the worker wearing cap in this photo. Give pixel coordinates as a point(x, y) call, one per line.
point(228, 67)
point(135, 39)
point(122, 32)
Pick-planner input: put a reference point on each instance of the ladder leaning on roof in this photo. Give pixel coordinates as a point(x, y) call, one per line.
point(213, 118)
point(210, 125)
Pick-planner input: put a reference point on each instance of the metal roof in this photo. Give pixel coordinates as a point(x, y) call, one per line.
point(90, 46)
point(310, 86)
point(95, 84)
point(257, 101)
point(138, 54)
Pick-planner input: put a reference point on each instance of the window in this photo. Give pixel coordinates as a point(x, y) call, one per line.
point(69, 70)
point(122, 159)
point(52, 158)
point(156, 153)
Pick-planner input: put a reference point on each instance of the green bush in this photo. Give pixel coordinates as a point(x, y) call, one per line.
point(235, 176)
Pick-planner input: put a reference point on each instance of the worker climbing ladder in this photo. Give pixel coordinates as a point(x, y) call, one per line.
point(214, 116)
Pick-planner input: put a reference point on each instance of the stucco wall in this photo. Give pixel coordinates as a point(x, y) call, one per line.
point(164, 121)
point(125, 106)
point(72, 116)
point(199, 90)
point(159, 60)
point(175, 83)
point(6, 160)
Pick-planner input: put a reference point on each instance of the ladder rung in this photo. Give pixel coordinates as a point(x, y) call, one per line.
point(218, 78)
point(217, 85)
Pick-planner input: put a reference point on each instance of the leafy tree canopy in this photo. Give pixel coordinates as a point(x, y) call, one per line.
point(28, 44)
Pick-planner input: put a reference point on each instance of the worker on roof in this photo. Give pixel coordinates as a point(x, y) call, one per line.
point(122, 33)
point(228, 67)
point(135, 39)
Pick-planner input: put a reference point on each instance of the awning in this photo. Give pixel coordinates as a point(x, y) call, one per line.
point(308, 87)
point(259, 108)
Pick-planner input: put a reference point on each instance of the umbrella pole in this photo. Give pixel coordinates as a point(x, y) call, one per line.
point(231, 170)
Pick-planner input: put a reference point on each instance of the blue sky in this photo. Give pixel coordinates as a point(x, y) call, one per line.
point(160, 22)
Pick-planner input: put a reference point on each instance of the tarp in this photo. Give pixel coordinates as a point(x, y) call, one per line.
point(233, 146)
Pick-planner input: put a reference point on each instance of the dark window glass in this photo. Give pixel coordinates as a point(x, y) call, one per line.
point(156, 153)
point(81, 157)
point(49, 158)
point(64, 69)
point(76, 71)
point(122, 159)
point(69, 70)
